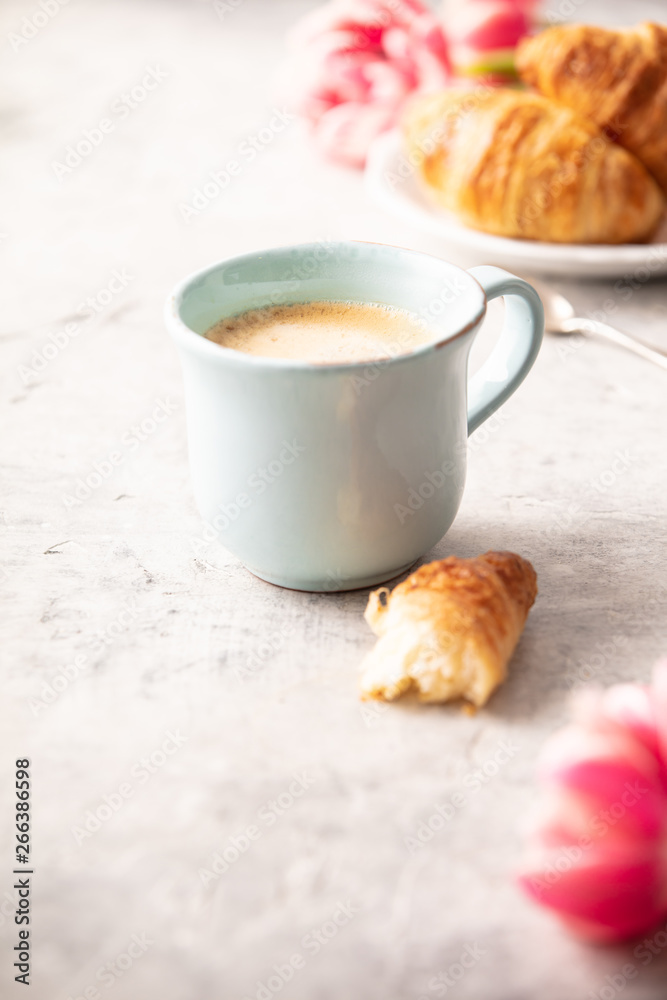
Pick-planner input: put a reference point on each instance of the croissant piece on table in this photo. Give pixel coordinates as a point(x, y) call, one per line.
point(519, 165)
point(449, 630)
point(617, 78)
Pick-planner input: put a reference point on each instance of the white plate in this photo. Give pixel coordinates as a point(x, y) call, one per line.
point(395, 186)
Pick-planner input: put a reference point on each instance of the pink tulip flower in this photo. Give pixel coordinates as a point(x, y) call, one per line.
point(599, 844)
point(354, 63)
point(485, 33)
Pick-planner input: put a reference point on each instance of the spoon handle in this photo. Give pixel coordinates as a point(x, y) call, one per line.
point(580, 325)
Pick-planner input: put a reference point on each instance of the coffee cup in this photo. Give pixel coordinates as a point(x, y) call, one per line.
point(327, 477)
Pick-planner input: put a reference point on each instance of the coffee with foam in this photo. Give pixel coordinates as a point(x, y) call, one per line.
point(323, 332)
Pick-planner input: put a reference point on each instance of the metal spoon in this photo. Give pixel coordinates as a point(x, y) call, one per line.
point(559, 317)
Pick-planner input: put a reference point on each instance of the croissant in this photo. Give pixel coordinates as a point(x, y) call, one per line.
point(617, 78)
point(517, 164)
point(449, 630)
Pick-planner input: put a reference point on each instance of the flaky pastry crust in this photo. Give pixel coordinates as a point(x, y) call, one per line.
point(449, 630)
point(520, 165)
point(615, 77)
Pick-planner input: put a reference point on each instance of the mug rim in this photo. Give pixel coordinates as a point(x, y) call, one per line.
point(184, 336)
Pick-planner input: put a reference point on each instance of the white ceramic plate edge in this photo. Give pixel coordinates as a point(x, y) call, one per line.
point(405, 200)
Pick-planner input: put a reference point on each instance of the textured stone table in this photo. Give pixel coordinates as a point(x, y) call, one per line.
point(210, 798)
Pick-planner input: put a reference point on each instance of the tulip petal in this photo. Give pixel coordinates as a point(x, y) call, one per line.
point(354, 64)
point(598, 846)
point(615, 895)
point(660, 705)
point(344, 133)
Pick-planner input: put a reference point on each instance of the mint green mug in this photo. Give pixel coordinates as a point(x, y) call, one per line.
point(326, 477)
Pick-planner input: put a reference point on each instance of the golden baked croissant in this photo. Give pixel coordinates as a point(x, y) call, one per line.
point(617, 78)
point(449, 630)
point(519, 165)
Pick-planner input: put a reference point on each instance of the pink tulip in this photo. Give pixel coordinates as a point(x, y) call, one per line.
point(599, 844)
point(485, 32)
point(500, 29)
point(354, 63)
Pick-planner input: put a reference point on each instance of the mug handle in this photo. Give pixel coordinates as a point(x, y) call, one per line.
point(519, 344)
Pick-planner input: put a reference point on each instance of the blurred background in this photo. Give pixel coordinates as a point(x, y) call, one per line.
point(120, 206)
